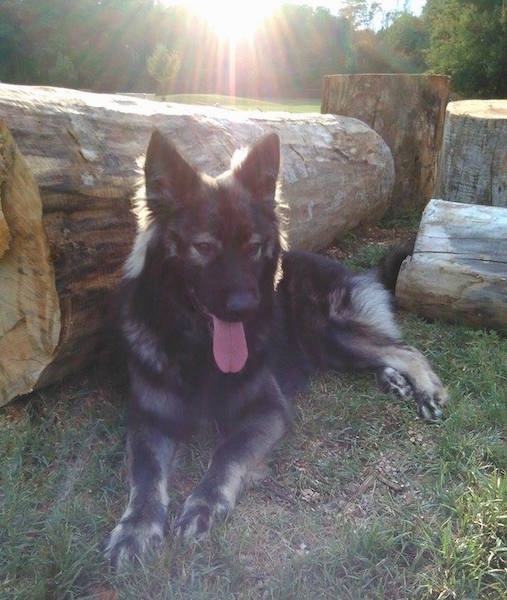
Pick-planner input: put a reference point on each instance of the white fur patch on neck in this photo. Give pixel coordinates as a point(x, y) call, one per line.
point(238, 157)
point(137, 257)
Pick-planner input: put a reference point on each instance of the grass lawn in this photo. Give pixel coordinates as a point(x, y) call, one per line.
point(363, 500)
point(300, 105)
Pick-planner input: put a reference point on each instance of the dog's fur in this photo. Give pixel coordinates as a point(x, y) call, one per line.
point(220, 323)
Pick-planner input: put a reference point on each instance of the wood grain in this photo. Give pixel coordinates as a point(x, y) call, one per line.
point(458, 270)
point(408, 112)
point(29, 308)
point(472, 167)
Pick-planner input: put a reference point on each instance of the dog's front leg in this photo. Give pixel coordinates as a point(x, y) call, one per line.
point(150, 455)
point(230, 468)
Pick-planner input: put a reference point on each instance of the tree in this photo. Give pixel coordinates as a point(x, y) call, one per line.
point(63, 72)
point(17, 63)
point(360, 13)
point(406, 40)
point(300, 67)
point(468, 41)
point(163, 66)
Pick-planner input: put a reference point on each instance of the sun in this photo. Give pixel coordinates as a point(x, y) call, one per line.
point(234, 20)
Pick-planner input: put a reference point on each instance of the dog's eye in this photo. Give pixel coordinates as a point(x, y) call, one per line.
point(253, 249)
point(205, 249)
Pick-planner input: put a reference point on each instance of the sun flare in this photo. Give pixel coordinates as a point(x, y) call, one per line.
point(233, 21)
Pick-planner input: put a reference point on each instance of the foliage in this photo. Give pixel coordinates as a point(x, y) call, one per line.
point(407, 38)
point(468, 40)
point(117, 45)
point(360, 13)
point(90, 44)
point(16, 62)
point(163, 66)
point(113, 45)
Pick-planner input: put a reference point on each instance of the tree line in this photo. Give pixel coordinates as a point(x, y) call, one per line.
point(145, 45)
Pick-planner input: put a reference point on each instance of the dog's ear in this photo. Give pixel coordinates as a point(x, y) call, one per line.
point(257, 167)
point(168, 176)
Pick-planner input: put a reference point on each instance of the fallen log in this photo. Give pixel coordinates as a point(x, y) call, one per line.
point(472, 166)
point(458, 271)
point(74, 158)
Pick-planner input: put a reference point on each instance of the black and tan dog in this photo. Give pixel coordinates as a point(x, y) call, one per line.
point(220, 323)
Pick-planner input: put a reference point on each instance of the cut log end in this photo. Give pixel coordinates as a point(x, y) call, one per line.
point(479, 109)
point(30, 314)
point(5, 235)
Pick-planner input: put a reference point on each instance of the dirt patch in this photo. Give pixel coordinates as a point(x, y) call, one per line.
point(369, 235)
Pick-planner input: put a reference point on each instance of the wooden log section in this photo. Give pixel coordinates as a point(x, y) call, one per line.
point(408, 112)
point(66, 225)
point(458, 271)
point(472, 166)
point(29, 305)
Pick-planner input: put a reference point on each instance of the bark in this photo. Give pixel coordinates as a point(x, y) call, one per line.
point(70, 170)
point(408, 112)
point(472, 167)
point(458, 271)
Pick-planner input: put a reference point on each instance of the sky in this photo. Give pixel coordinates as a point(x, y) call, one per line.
point(236, 20)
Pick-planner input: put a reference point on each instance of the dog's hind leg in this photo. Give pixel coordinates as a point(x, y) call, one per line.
point(407, 372)
point(399, 368)
point(361, 333)
point(253, 437)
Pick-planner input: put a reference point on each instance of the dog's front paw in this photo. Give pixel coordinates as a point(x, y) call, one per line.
point(194, 523)
point(198, 516)
point(430, 395)
point(407, 368)
point(132, 541)
point(391, 380)
point(430, 403)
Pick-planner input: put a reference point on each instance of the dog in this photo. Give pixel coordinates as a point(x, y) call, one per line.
point(221, 323)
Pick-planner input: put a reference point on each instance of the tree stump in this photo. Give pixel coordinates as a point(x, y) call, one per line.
point(458, 270)
point(472, 166)
point(66, 225)
point(408, 112)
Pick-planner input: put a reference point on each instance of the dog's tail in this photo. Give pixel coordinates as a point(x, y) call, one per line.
point(389, 266)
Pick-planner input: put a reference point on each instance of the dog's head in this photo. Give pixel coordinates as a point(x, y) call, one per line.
point(219, 236)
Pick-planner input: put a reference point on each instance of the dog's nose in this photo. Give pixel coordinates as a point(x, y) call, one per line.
point(240, 304)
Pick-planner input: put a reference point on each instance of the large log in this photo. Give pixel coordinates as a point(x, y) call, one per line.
point(408, 112)
point(458, 270)
point(82, 156)
point(472, 166)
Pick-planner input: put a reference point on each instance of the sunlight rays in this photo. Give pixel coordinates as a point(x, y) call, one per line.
point(233, 21)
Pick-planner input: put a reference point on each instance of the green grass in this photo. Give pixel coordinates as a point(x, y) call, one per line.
point(297, 106)
point(363, 500)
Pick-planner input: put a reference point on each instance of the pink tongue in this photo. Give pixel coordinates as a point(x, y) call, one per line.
point(229, 345)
